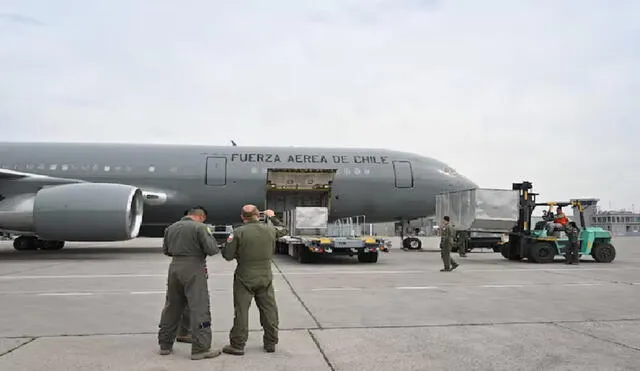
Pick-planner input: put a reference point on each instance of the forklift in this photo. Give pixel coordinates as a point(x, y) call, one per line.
point(537, 246)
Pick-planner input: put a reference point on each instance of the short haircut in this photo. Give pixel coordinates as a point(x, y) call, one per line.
point(249, 211)
point(198, 211)
point(446, 217)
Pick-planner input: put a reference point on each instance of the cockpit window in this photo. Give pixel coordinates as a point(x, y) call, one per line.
point(449, 170)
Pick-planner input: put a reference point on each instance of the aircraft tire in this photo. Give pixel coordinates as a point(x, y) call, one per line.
point(52, 245)
point(23, 243)
point(412, 243)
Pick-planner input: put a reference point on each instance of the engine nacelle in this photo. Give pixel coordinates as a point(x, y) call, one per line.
point(78, 212)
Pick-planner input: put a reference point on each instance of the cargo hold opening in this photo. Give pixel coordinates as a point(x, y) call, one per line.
point(289, 188)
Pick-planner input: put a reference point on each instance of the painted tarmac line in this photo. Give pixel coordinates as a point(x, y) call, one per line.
point(66, 294)
point(501, 286)
point(161, 292)
point(582, 284)
point(317, 289)
point(310, 273)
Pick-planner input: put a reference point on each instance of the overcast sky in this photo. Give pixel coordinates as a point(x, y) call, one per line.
point(501, 91)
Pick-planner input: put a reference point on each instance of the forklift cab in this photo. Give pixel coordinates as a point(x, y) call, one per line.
point(540, 228)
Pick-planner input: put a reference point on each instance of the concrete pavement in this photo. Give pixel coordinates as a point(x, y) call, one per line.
point(97, 306)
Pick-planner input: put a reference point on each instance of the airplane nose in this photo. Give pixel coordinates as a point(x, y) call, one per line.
point(468, 184)
point(462, 183)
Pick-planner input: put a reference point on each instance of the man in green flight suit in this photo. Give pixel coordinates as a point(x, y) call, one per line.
point(184, 330)
point(252, 245)
point(447, 234)
point(188, 242)
point(572, 254)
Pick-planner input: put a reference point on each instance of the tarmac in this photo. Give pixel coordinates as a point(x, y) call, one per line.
point(97, 306)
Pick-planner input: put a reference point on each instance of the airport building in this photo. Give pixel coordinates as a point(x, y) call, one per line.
point(619, 223)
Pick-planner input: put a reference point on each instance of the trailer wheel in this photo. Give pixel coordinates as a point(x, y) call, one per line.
point(603, 253)
point(371, 257)
point(279, 248)
point(304, 255)
point(541, 252)
point(412, 243)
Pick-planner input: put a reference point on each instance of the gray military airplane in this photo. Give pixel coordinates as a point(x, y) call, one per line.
point(56, 192)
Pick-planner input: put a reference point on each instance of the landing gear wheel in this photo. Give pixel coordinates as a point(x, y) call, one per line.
point(541, 252)
point(52, 245)
point(24, 243)
point(371, 257)
point(412, 243)
point(603, 253)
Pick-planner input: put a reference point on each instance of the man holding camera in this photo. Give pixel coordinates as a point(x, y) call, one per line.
point(252, 245)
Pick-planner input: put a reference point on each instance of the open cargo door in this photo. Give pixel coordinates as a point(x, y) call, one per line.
point(290, 188)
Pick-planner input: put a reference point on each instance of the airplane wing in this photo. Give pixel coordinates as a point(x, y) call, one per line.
point(6, 174)
point(151, 196)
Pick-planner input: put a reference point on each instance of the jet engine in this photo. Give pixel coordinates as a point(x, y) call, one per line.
point(76, 212)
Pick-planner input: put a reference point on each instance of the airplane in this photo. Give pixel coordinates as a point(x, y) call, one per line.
point(56, 192)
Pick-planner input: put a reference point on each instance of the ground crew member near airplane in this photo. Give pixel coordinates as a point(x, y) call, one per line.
point(184, 331)
point(189, 242)
point(252, 245)
point(573, 247)
point(447, 235)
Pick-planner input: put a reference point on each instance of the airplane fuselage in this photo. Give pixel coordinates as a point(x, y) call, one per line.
point(383, 185)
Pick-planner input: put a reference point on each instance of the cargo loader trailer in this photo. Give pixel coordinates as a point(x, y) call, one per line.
point(311, 236)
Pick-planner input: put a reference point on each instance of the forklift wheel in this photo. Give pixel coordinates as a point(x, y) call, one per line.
point(542, 252)
point(603, 253)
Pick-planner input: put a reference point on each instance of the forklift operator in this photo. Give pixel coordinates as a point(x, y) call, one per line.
point(559, 221)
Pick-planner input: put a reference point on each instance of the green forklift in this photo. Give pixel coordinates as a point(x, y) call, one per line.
point(536, 245)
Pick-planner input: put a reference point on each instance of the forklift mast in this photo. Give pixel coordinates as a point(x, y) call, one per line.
point(526, 206)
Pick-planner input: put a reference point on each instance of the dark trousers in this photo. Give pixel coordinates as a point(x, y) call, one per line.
point(445, 254)
point(573, 252)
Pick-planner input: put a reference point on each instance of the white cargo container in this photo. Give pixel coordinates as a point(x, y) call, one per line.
point(479, 209)
point(480, 215)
